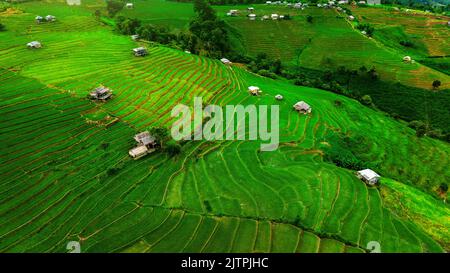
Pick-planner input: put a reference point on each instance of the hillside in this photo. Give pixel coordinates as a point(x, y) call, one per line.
point(66, 174)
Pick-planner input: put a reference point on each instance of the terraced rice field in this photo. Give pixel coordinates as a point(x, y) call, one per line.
point(431, 30)
point(65, 178)
point(330, 41)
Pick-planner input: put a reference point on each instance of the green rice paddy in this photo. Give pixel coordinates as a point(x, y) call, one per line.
point(66, 179)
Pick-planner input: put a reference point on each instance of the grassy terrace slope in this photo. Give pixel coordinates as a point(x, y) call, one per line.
point(64, 178)
point(330, 41)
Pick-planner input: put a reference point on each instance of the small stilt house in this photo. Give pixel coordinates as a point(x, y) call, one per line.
point(140, 51)
point(34, 44)
point(225, 61)
point(39, 19)
point(138, 152)
point(146, 144)
point(254, 90)
point(50, 18)
point(101, 93)
point(279, 97)
point(302, 107)
point(368, 176)
point(145, 139)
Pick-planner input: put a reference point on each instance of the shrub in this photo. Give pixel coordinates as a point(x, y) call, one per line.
point(366, 100)
point(436, 84)
point(267, 73)
point(347, 152)
point(406, 43)
point(173, 148)
point(443, 187)
point(113, 7)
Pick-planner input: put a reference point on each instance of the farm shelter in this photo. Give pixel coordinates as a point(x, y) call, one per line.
point(278, 97)
point(225, 61)
point(274, 16)
point(138, 152)
point(101, 93)
point(39, 19)
point(140, 51)
point(254, 90)
point(407, 59)
point(145, 139)
point(146, 145)
point(250, 9)
point(368, 176)
point(302, 107)
point(34, 44)
point(252, 16)
point(135, 37)
point(50, 18)
point(129, 5)
point(373, 2)
point(233, 12)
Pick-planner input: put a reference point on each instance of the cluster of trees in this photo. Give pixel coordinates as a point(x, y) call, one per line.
point(113, 7)
point(367, 28)
point(265, 66)
point(424, 129)
point(2, 27)
point(338, 81)
point(207, 34)
point(210, 32)
point(228, 2)
point(343, 151)
point(406, 43)
point(150, 32)
point(164, 140)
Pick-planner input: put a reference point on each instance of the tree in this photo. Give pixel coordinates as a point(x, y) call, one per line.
point(309, 19)
point(2, 27)
point(204, 10)
point(211, 32)
point(113, 7)
point(363, 69)
point(161, 134)
point(328, 76)
point(373, 73)
point(436, 84)
point(128, 26)
point(366, 100)
point(97, 13)
point(173, 148)
point(350, 75)
point(443, 188)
